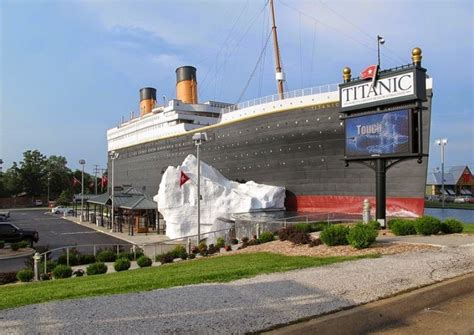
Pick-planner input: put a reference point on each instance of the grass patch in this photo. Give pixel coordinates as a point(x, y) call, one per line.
point(468, 228)
point(207, 270)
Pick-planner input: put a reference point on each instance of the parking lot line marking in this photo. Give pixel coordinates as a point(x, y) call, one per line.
point(80, 232)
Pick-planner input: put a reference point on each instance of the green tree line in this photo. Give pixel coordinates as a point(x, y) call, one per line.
point(32, 175)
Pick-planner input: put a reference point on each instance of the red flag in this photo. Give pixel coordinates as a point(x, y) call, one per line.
point(183, 178)
point(103, 181)
point(75, 181)
point(369, 72)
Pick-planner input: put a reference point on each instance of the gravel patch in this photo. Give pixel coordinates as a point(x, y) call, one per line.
point(244, 305)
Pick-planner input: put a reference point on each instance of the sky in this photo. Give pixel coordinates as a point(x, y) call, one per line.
point(69, 70)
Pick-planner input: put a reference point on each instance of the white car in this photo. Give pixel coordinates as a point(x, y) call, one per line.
point(61, 210)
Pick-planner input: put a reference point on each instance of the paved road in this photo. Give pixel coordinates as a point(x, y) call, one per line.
point(454, 316)
point(451, 240)
point(54, 232)
point(242, 306)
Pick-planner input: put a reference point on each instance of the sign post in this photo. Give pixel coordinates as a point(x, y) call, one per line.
point(383, 120)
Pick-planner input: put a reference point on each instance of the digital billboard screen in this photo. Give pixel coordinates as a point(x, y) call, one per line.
point(380, 134)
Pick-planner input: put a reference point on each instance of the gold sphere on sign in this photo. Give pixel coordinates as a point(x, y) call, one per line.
point(416, 55)
point(346, 73)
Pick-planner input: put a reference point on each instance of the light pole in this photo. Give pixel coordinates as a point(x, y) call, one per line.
point(380, 41)
point(198, 138)
point(49, 179)
point(442, 143)
point(82, 162)
point(113, 156)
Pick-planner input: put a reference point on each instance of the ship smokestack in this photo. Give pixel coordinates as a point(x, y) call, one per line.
point(147, 100)
point(186, 84)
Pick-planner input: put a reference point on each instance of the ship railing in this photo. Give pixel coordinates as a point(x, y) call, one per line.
point(286, 95)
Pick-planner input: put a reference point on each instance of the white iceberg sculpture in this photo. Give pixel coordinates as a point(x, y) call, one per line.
point(220, 197)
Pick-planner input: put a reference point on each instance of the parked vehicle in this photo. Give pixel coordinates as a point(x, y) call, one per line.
point(4, 216)
point(38, 202)
point(11, 234)
point(61, 210)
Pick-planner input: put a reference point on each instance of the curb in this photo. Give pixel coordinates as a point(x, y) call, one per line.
point(365, 318)
point(19, 255)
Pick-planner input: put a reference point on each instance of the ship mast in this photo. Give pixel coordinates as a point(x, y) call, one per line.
point(279, 75)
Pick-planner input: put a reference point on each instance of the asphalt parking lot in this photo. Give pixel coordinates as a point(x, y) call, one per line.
point(54, 232)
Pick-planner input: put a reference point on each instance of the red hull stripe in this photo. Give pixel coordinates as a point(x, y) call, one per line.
point(353, 204)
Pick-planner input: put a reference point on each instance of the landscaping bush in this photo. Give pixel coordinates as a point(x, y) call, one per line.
point(165, 258)
point(179, 252)
point(335, 235)
point(106, 256)
point(427, 225)
point(294, 234)
point(2, 244)
point(25, 275)
point(318, 226)
point(315, 242)
point(227, 248)
point(24, 244)
point(96, 269)
point(79, 273)
point(220, 243)
point(86, 259)
point(73, 259)
point(192, 256)
point(7, 277)
point(402, 227)
point(245, 239)
point(144, 261)
point(50, 265)
point(212, 249)
point(375, 225)
point(234, 241)
point(122, 264)
point(62, 271)
point(15, 246)
point(266, 237)
point(451, 226)
point(195, 250)
point(202, 247)
point(306, 227)
point(45, 276)
point(362, 236)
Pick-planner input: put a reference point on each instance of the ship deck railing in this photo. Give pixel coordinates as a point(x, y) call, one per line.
point(286, 95)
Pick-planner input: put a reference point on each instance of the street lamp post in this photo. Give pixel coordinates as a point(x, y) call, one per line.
point(442, 143)
point(113, 156)
point(198, 139)
point(82, 162)
point(49, 179)
point(380, 41)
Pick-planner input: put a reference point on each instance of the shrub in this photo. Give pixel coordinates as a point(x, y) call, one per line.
point(45, 276)
point(283, 234)
point(318, 226)
point(220, 242)
point(306, 227)
point(212, 249)
point(7, 277)
point(402, 227)
point(374, 225)
point(195, 250)
point(96, 269)
point(122, 264)
point(50, 265)
point(106, 256)
point(450, 226)
point(24, 244)
point(2, 244)
point(234, 241)
point(62, 271)
point(245, 239)
point(25, 275)
point(227, 248)
point(86, 259)
point(79, 273)
point(192, 256)
point(15, 246)
point(315, 242)
point(202, 247)
point(266, 237)
point(335, 235)
point(165, 258)
point(294, 234)
point(73, 259)
point(362, 236)
point(144, 261)
point(427, 225)
point(179, 252)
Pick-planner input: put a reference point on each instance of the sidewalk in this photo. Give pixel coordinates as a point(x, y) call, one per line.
point(135, 239)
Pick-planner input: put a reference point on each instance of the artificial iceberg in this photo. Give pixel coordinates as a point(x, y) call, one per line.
point(219, 197)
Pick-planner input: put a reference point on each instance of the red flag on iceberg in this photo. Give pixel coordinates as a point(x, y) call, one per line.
point(369, 72)
point(183, 178)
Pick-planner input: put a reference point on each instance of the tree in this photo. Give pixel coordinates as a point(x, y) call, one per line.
point(33, 173)
point(11, 181)
point(59, 175)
